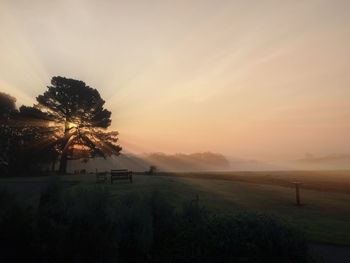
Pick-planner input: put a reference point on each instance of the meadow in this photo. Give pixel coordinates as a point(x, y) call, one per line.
point(324, 215)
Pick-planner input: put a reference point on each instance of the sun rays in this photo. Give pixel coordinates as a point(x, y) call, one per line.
point(224, 77)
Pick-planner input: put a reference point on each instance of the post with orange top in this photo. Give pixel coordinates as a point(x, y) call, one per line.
point(297, 193)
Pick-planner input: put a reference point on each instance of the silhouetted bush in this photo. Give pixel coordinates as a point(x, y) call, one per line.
point(16, 229)
point(88, 225)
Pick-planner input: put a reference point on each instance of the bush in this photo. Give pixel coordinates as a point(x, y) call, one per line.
point(86, 226)
point(243, 238)
point(16, 229)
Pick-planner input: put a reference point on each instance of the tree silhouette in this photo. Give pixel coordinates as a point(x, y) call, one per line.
point(7, 106)
point(39, 137)
point(76, 114)
point(24, 137)
point(7, 110)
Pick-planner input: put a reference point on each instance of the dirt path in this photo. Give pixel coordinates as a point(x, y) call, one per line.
point(330, 253)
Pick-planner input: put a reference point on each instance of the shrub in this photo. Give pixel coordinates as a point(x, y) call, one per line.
point(16, 229)
point(87, 225)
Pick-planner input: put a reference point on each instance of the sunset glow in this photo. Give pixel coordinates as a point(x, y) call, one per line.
point(266, 80)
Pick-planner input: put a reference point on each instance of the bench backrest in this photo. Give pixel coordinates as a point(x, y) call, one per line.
point(120, 172)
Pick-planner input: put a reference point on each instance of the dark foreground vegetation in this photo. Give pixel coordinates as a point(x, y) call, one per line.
point(87, 225)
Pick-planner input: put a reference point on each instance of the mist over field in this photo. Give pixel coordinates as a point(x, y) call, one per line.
point(207, 161)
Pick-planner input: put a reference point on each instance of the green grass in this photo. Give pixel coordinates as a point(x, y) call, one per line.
point(324, 215)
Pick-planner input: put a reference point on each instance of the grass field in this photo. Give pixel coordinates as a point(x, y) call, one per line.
point(324, 215)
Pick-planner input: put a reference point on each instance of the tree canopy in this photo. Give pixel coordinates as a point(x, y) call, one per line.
point(22, 141)
point(70, 100)
point(7, 109)
point(68, 122)
point(7, 105)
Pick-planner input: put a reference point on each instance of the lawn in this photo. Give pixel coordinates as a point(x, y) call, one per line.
point(324, 215)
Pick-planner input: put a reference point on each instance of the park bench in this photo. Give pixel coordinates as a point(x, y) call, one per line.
point(101, 177)
point(121, 174)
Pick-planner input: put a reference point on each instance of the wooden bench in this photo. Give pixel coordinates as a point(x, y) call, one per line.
point(121, 174)
point(101, 177)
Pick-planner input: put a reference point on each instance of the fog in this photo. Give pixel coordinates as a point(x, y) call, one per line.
point(260, 81)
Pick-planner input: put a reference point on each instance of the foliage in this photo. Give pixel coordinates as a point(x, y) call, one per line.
point(24, 140)
point(69, 122)
point(78, 110)
point(7, 109)
point(88, 225)
point(16, 229)
point(7, 105)
point(69, 100)
point(152, 170)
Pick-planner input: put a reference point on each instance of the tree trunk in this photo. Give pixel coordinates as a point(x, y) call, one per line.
point(64, 156)
point(63, 163)
point(53, 165)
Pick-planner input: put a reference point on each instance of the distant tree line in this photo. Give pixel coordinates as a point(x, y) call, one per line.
point(67, 122)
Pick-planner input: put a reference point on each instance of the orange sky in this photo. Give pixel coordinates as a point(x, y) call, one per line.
point(251, 79)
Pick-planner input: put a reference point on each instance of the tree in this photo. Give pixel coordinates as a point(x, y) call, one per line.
point(152, 170)
point(7, 106)
point(39, 136)
point(7, 110)
point(80, 120)
point(24, 137)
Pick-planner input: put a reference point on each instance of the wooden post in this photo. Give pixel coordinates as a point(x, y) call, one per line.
point(297, 193)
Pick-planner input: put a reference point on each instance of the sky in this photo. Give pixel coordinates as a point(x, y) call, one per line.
point(263, 80)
